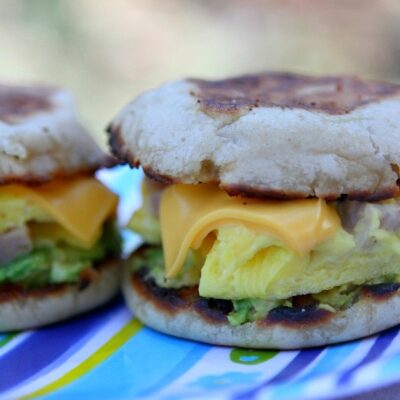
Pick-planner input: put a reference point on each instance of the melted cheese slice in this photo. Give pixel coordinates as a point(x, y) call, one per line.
point(79, 205)
point(189, 213)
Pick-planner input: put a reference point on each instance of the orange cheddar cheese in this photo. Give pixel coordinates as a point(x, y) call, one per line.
point(189, 213)
point(80, 205)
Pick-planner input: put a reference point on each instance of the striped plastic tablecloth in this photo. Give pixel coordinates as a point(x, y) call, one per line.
point(108, 354)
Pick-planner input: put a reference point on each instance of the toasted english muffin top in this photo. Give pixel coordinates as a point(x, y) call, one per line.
point(41, 136)
point(269, 135)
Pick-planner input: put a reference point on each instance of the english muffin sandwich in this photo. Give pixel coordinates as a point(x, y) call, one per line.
point(58, 240)
point(278, 224)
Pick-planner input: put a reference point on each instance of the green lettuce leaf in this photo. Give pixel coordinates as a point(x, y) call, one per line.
point(59, 263)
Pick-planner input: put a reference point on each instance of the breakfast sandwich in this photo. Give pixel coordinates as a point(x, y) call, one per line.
point(271, 208)
point(59, 245)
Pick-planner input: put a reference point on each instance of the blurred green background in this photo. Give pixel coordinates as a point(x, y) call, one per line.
point(107, 51)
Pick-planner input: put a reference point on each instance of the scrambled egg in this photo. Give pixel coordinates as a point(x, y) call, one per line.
point(15, 212)
point(244, 264)
point(146, 225)
point(144, 222)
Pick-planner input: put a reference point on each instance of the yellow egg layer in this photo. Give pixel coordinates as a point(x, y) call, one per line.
point(15, 212)
point(245, 264)
point(143, 221)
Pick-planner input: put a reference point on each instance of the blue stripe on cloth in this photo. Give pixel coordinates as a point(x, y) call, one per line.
point(333, 357)
point(298, 364)
point(195, 354)
point(146, 363)
point(109, 312)
point(389, 369)
point(381, 344)
point(45, 346)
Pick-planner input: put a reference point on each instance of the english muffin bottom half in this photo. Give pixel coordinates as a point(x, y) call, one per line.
point(271, 209)
point(59, 244)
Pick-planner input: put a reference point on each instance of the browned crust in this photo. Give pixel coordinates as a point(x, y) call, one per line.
point(243, 190)
point(380, 292)
point(117, 145)
point(125, 156)
point(292, 318)
point(163, 179)
point(252, 192)
point(333, 95)
point(10, 292)
point(384, 193)
point(304, 313)
point(19, 102)
point(214, 312)
point(107, 161)
point(173, 301)
point(36, 180)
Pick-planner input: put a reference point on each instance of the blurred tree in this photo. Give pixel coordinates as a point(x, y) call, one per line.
point(52, 16)
point(109, 51)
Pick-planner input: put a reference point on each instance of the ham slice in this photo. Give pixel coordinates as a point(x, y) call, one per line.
point(13, 243)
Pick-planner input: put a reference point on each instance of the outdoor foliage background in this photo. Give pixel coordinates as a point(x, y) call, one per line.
point(108, 51)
